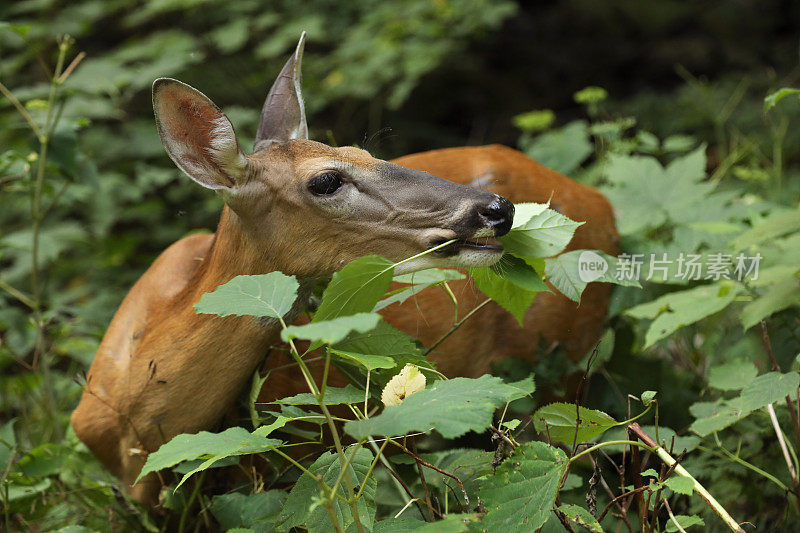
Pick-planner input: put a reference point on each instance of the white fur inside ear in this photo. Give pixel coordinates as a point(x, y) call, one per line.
point(224, 148)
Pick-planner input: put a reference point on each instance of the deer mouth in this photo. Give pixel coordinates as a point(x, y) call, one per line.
point(481, 244)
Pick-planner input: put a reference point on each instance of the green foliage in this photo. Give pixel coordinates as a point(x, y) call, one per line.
point(302, 507)
point(210, 446)
point(451, 407)
point(270, 295)
point(356, 288)
point(559, 422)
point(521, 493)
point(334, 330)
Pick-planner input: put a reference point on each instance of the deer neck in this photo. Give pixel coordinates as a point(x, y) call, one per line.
point(172, 370)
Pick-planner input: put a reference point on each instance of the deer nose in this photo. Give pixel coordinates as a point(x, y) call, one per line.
point(498, 215)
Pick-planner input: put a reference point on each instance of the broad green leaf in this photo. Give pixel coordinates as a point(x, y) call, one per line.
point(570, 272)
point(765, 389)
point(771, 100)
point(257, 511)
point(733, 375)
point(681, 485)
point(778, 222)
point(333, 330)
point(776, 297)
point(581, 516)
point(769, 388)
point(333, 396)
point(271, 295)
point(714, 416)
point(356, 288)
point(521, 493)
point(419, 281)
point(452, 407)
point(559, 420)
point(645, 195)
point(678, 309)
point(18, 491)
point(186, 447)
point(524, 212)
point(302, 507)
point(370, 362)
point(684, 521)
point(562, 149)
point(429, 276)
point(519, 273)
point(544, 235)
point(373, 347)
point(508, 295)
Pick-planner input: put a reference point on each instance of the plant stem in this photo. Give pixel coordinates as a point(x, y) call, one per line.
point(343, 463)
point(681, 471)
point(192, 498)
point(456, 326)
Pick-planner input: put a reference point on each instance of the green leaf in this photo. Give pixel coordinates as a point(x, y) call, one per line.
point(778, 222)
point(524, 212)
point(563, 149)
point(558, 420)
point(272, 295)
point(681, 485)
point(356, 288)
point(8, 441)
point(370, 362)
point(544, 235)
point(511, 424)
point(648, 396)
point(521, 493)
point(256, 511)
point(678, 309)
point(769, 388)
point(765, 389)
point(580, 516)
point(374, 349)
point(419, 282)
point(452, 407)
point(776, 297)
point(333, 330)
point(214, 446)
point(771, 100)
point(733, 375)
point(333, 396)
point(509, 295)
point(570, 272)
point(684, 521)
point(303, 506)
point(519, 273)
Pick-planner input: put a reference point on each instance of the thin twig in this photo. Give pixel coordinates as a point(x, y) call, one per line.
point(681, 471)
point(22, 111)
point(456, 326)
point(433, 467)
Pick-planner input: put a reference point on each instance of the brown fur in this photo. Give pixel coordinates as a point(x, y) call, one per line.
point(159, 370)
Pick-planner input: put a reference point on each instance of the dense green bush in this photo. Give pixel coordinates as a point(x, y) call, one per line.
point(708, 169)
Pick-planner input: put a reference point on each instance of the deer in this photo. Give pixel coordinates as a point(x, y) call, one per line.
point(295, 206)
point(307, 209)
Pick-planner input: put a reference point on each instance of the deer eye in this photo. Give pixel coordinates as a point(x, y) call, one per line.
point(324, 184)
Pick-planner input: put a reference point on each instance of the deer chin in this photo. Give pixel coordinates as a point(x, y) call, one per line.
point(463, 253)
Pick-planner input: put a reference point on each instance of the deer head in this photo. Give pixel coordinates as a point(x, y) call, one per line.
point(311, 207)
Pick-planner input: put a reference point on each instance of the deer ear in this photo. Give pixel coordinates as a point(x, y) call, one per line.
point(283, 116)
point(198, 137)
